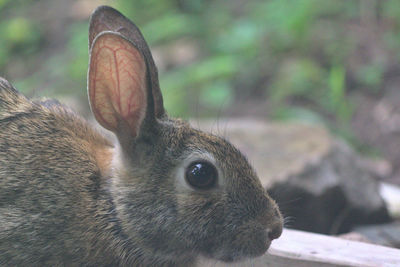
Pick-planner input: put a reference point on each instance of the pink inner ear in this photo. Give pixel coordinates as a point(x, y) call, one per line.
point(117, 83)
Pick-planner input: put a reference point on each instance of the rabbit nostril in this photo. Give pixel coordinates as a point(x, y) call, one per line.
point(274, 232)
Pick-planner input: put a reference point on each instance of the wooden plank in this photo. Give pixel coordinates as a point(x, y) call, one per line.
point(302, 249)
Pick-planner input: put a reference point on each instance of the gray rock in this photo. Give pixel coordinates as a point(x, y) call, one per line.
point(384, 234)
point(320, 184)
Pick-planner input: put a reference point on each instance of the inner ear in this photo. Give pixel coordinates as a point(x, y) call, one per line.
point(117, 84)
point(106, 18)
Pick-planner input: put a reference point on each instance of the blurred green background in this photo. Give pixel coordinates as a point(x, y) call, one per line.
point(279, 59)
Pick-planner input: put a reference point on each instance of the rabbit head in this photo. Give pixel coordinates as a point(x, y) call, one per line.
point(177, 192)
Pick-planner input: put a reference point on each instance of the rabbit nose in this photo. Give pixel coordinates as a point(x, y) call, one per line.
point(275, 231)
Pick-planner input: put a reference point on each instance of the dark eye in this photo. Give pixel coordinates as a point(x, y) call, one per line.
point(201, 174)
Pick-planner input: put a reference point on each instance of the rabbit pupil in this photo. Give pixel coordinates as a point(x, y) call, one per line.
point(201, 175)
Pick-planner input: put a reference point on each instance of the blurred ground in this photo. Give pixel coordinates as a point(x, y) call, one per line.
point(333, 63)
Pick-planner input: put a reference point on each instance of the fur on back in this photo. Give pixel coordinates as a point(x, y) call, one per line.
point(27, 127)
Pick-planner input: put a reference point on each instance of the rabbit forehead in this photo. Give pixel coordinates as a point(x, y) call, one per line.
point(232, 162)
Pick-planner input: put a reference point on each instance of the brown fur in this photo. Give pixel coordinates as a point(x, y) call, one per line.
point(69, 196)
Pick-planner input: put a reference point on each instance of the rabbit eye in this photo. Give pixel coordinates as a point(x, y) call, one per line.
point(201, 175)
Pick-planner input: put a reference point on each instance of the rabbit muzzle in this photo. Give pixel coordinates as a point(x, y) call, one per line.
point(252, 237)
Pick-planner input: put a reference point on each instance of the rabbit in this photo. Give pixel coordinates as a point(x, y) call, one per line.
point(159, 194)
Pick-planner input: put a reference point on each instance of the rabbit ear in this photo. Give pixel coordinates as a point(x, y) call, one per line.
point(106, 18)
point(118, 85)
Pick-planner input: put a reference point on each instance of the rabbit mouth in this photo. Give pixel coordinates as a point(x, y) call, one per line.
point(242, 256)
point(246, 245)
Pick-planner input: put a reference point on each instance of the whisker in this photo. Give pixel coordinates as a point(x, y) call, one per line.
point(288, 201)
point(287, 221)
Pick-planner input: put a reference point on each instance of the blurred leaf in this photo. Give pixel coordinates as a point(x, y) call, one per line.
point(3, 54)
point(20, 31)
point(216, 94)
point(338, 102)
point(336, 84)
point(300, 77)
point(204, 71)
point(77, 46)
point(391, 9)
point(144, 11)
point(3, 3)
point(175, 101)
point(167, 27)
point(243, 35)
point(371, 76)
point(212, 68)
point(178, 85)
point(298, 114)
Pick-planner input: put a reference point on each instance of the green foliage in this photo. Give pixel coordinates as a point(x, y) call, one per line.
point(19, 35)
point(295, 55)
point(3, 3)
point(168, 27)
point(77, 48)
point(297, 78)
point(198, 79)
point(298, 114)
point(371, 76)
point(338, 103)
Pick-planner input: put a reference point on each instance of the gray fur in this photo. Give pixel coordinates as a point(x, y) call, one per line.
point(71, 197)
